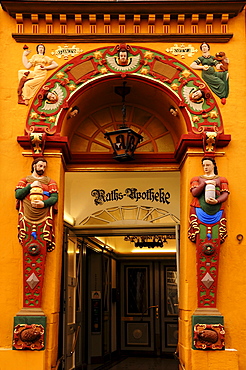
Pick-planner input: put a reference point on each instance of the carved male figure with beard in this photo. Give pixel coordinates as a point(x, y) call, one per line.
point(36, 195)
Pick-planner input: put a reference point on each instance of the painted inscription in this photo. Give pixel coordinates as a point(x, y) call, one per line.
point(66, 51)
point(182, 50)
point(101, 196)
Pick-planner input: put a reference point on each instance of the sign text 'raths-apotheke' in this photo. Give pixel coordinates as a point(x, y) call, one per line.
point(160, 195)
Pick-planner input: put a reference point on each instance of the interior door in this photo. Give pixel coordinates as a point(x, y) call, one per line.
point(149, 307)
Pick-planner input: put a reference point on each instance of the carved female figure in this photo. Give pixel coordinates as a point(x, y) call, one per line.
point(210, 191)
point(30, 81)
point(217, 81)
point(208, 228)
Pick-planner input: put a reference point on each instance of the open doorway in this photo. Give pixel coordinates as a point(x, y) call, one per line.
point(116, 305)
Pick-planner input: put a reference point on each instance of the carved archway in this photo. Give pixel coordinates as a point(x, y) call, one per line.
point(172, 80)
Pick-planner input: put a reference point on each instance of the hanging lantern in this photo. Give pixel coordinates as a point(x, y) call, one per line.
point(124, 141)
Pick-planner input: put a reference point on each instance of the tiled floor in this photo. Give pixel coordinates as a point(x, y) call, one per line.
point(140, 363)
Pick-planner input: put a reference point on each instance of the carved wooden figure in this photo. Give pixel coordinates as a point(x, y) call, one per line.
point(31, 81)
point(208, 228)
point(36, 197)
point(216, 80)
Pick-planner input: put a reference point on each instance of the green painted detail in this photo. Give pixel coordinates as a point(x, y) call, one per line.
point(202, 269)
point(213, 259)
point(212, 294)
point(212, 269)
point(28, 269)
point(36, 294)
point(27, 294)
point(26, 301)
point(203, 259)
point(202, 294)
point(203, 232)
point(215, 232)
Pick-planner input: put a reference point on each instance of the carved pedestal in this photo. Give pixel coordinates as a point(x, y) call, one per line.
point(207, 254)
point(34, 257)
point(207, 322)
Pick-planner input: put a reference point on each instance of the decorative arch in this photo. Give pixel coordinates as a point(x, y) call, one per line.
point(120, 214)
point(44, 121)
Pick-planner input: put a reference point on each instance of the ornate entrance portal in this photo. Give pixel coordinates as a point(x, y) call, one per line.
point(163, 109)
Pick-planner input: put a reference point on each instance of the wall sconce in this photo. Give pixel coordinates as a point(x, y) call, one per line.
point(124, 141)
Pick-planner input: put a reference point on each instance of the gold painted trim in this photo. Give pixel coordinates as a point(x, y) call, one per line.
point(49, 154)
point(172, 168)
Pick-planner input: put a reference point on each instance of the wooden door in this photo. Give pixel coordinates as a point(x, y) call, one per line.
point(149, 307)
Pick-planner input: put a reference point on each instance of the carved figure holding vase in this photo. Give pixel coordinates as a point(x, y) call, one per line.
point(208, 228)
point(210, 191)
point(217, 80)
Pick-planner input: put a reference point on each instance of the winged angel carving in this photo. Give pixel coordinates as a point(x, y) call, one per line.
point(122, 63)
point(53, 98)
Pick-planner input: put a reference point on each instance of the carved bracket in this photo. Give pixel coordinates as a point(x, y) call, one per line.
point(209, 141)
point(37, 139)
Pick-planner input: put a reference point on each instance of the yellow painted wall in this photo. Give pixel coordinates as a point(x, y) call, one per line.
point(231, 164)
point(14, 165)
